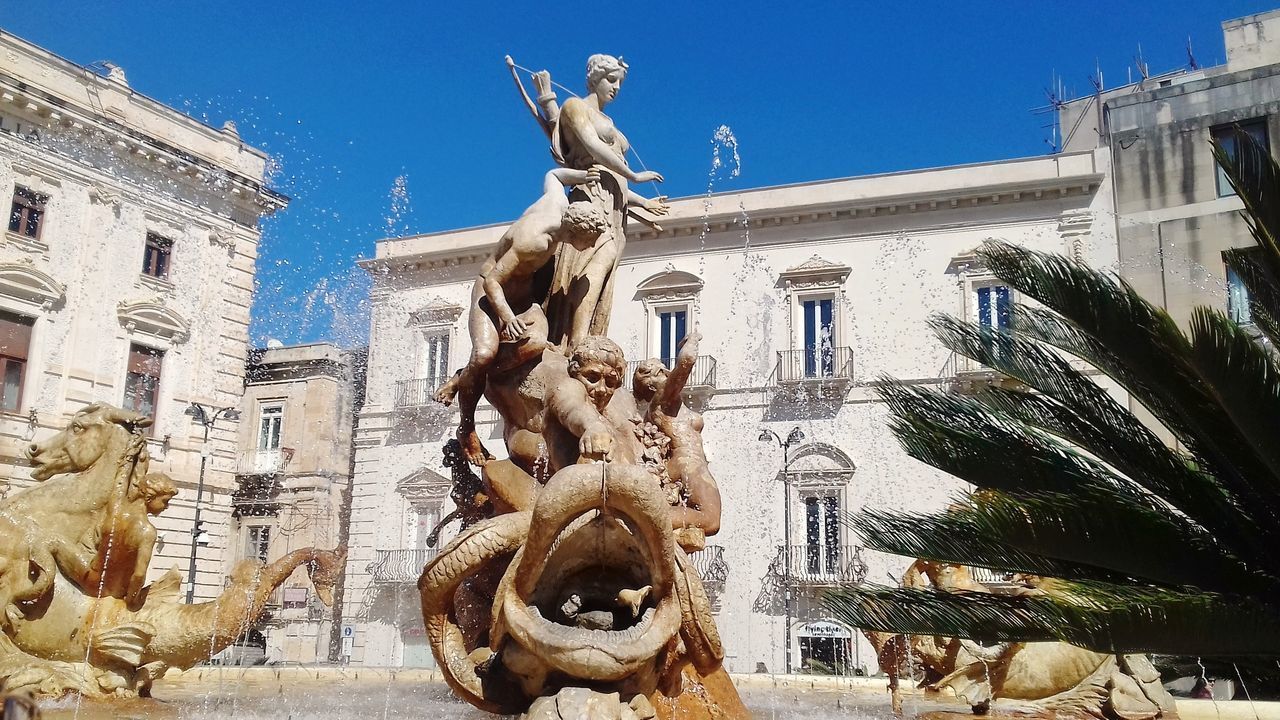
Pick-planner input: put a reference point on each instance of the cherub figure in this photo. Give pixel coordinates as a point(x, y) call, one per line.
point(577, 428)
point(126, 539)
point(657, 392)
point(505, 288)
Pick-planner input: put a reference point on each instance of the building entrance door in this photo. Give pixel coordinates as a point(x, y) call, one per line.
point(826, 648)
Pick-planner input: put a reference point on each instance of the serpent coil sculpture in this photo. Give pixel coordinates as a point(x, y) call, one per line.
point(568, 592)
point(77, 615)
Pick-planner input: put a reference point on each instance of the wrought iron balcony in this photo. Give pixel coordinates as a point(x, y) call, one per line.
point(400, 566)
point(965, 376)
point(417, 392)
point(711, 565)
point(263, 462)
point(812, 365)
point(821, 565)
point(702, 379)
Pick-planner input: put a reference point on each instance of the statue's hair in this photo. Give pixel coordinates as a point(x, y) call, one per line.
point(157, 483)
point(586, 217)
point(651, 365)
point(599, 65)
point(597, 347)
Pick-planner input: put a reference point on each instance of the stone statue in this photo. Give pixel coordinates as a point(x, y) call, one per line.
point(582, 137)
point(1040, 677)
point(506, 286)
point(574, 597)
point(74, 553)
point(695, 510)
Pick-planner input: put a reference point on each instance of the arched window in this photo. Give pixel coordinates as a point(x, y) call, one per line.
point(818, 476)
point(671, 301)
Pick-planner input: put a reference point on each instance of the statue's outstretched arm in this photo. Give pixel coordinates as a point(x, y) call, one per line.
point(556, 180)
point(533, 109)
point(669, 400)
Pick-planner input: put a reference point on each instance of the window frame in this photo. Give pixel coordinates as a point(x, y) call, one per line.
point(434, 361)
point(823, 367)
point(14, 356)
point(135, 381)
point(270, 410)
point(1225, 134)
point(259, 549)
point(656, 311)
point(157, 256)
point(25, 204)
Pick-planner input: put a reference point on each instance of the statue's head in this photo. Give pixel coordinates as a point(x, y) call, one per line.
point(156, 490)
point(649, 378)
point(597, 362)
point(582, 224)
point(86, 438)
point(605, 74)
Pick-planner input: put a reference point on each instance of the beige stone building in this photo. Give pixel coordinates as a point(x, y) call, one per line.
point(126, 276)
point(1175, 210)
point(805, 296)
point(293, 475)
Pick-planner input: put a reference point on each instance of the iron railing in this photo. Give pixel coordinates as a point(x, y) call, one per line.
point(702, 377)
point(711, 566)
point(417, 392)
point(814, 365)
point(400, 566)
point(263, 462)
point(821, 564)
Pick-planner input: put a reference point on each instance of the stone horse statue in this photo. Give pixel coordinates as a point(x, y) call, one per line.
point(1038, 677)
point(74, 553)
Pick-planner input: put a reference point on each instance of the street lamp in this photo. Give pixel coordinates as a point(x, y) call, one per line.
point(795, 437)
point(206, 415)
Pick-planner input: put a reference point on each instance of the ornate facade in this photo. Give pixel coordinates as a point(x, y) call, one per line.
point(126, 276)
point(805, 296)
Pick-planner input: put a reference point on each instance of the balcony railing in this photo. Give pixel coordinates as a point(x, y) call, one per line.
point(711, 565)
point(821, 565)
point(417, 392)
point(400, 566)
point(703, 376)
point(263, 462)
point(814, 365)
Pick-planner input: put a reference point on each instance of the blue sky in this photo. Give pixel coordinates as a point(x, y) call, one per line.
point(349, 96)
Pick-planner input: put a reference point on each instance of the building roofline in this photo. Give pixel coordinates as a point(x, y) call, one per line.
point(799, 202)
point(75, 67)
point(773, 188)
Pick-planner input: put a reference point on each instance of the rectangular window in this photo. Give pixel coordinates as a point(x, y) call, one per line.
point(142, 383)
point(258, 542)
point(27, 213)
point(15, 342)
point(1237, 299)
point(435, 359)
point(155, 257)
point(1226, 135)
point(425, 520)
point(994, 306)
point(822, 534)
point(672, 327)
point(819, 338)
point(270, 420)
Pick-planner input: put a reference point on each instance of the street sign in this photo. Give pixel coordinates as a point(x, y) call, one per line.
point(348, 631)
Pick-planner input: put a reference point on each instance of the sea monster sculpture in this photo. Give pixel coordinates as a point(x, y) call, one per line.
point(1040, 677)
point(86, 538)
point(576, 598)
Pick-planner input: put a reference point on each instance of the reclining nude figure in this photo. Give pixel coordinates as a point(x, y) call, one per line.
point(506, 288)
point(657, 392)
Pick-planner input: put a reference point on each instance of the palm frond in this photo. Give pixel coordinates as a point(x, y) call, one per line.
point(951, 538)
point(1112, 619)
point(1077, 409)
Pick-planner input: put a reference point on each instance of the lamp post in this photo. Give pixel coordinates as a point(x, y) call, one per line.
point(206, 415)
point(795, 437)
